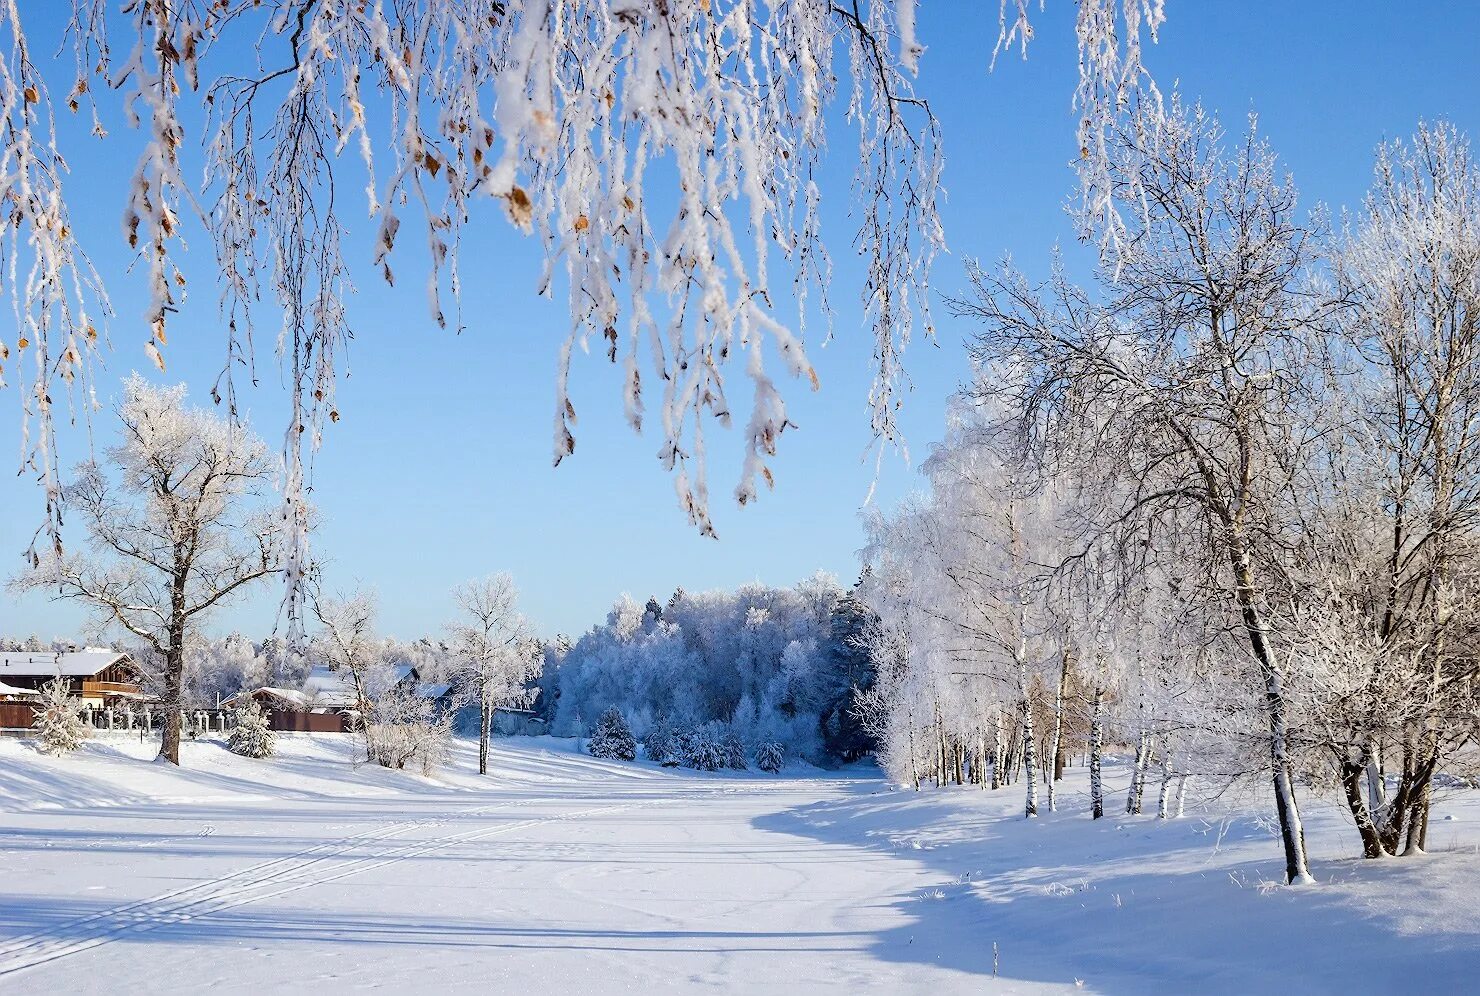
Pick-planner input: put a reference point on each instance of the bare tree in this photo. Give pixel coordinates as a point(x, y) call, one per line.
point(183, 528)
point(347, 643)
point(496, 654)
point(1191, 389)
point(1400, 639)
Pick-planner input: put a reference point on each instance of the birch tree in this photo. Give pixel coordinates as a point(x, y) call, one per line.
point(497, 657)
point(180, 526)
point(1400, 636)
point(665, 160)
point(347, 643)
point(1189, 382)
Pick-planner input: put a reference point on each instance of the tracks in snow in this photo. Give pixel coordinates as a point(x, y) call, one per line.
point(304, 869)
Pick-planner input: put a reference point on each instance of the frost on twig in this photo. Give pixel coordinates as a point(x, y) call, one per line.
point(665, 156)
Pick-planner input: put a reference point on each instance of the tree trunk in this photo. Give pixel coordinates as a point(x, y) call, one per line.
point(174, 679)
point(1376, 781)
point(1351, 784)
point(1029, 749)
point(1058, 723)
point(1292, 832)
point(1096, 744)
point(485, 719)
point(1164, 797)
point(1138, 776)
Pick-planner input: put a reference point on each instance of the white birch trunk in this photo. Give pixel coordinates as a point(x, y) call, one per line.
point(1096, 743)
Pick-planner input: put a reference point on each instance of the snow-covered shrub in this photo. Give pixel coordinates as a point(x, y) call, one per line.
point(770, 756)
point(702, 750)
point(252, 735)
point(612, 738)
point(662, 744)
point(58, 723)
point(403, 728)
point(734, 749)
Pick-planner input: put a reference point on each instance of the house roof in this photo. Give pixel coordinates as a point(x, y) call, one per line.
point(333, 689)
point(24, 693)
point(77, 664)
point(291, 696)
point(427, 690)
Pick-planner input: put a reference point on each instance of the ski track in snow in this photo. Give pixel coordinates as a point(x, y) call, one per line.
point(274, 878)
point(278, 877)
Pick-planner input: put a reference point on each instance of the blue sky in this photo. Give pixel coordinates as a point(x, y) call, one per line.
point(440, 470)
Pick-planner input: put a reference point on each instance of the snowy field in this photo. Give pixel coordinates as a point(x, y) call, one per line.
point(563, 873)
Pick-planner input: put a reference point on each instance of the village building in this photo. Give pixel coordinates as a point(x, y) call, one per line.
point(98, 676)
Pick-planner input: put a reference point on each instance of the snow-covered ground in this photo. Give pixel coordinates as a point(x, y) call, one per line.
point(563, 873)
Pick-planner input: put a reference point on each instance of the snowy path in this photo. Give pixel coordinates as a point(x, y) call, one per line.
point(606, 877)
point(564, 873)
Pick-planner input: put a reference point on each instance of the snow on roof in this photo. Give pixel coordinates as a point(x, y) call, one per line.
point(77, 664)
point(427, 690)
point(332, 689)
point(290, 695)
point(25, 693)
point(327, 687)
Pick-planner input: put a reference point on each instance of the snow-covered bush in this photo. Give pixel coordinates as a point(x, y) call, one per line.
point(403, 729)
point(58, 725)
point(702, 749)
point(734, 749)
point(770, 756)
point(612, 739)
point(252, 736)
point(662, 744)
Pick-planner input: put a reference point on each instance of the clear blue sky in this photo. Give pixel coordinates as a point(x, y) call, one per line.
point(440, 470)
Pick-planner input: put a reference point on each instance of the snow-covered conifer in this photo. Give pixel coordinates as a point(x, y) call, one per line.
point(612, 739)
point(662, 744)
point(702, 750)
point(252, 736)
point(734, 749)
point(770, 757)
point(59, 727)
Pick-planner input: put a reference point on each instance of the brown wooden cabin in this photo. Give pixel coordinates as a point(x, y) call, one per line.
point(97, 677)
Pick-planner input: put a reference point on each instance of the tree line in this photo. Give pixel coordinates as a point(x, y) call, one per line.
point(1220, 498)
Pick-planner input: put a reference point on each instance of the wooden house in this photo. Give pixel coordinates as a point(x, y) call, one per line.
point(98, 677)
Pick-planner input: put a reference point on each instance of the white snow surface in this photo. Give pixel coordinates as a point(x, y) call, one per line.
point(560, 873)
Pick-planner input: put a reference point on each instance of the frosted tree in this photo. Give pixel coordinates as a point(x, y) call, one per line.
point(770, 757)
point(1396, 638)
point(252, 736)
point(1191, 385)
point(58, 723)
point(664, 158)
point(495, 657)
point(612, 738)
point(347, 643)
point(185, 525)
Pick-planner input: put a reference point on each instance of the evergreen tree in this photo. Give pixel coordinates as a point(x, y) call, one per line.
point(846, 671)
point(58, 725)
point(770, 756)
point(661, 744)
point(612, 739)
point(703, 750)
point(252, 736)
point(734, 750)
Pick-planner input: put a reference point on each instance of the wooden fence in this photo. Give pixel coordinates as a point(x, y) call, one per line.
point(16, 716)
point(308, 722)
point(22, 715)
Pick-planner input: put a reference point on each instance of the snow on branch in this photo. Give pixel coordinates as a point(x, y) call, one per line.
point(665, 155)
